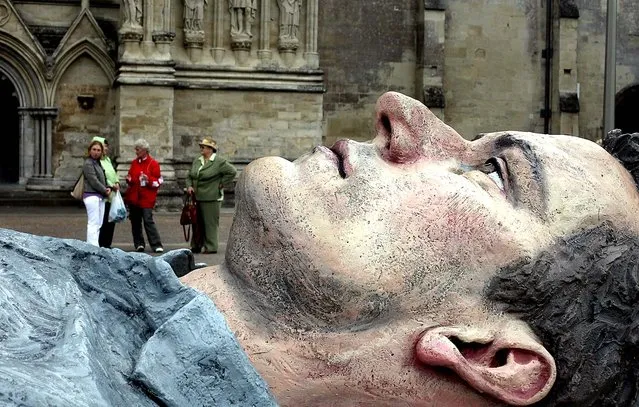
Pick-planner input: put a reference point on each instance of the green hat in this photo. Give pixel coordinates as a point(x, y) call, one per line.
point(102, 140)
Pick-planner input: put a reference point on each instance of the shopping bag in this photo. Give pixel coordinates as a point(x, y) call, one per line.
point(78, 189)
point(117, 213)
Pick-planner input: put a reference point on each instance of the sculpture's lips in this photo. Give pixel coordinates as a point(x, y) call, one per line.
point(341, 150)
point(338, 154)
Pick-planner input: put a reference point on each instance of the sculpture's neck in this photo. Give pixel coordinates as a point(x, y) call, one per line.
point(245, 317)
point(269, 346)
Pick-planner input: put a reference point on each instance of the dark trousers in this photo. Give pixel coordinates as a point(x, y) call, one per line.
point(137, 215)
point(107, 229)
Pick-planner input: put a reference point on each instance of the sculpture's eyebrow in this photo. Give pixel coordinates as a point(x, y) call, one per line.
point(508, 141)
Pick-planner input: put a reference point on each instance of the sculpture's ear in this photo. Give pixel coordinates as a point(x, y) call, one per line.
point(509, 364)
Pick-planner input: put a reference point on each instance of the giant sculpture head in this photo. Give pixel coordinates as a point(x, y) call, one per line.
point(408, 269)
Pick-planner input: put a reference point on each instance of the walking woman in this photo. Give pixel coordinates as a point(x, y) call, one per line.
point(206, 179)
point(95, 191)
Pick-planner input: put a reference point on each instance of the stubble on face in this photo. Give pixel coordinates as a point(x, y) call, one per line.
point(318, 279)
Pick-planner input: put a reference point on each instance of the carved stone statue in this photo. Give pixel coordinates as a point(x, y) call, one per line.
point(289, 18)
point(132, 10)
point(242, 17)
point(194, 14)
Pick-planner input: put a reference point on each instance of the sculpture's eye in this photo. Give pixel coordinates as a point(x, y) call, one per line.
point(497, 171)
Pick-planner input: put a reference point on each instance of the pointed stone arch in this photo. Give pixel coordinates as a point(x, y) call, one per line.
point(83, 91)
point(626, 103)
point(24, 68)
point(88, 48)
point(84, 37)
point(20, 65)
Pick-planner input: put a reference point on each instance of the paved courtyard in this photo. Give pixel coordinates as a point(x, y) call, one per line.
point(70, 223)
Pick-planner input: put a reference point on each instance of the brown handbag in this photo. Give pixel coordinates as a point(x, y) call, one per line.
point(78, 189)
point(188, 216)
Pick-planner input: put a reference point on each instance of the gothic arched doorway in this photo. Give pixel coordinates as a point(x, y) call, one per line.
point(626, 113)
point(10, 134)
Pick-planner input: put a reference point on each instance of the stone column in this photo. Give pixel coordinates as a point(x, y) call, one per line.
point(218, 31)
point(148, 47)
point(430, 56)
point(28, 142)
point(42, 177)
point(48, 167)
point(567, 66)
point(22, 172)
point(310, 54)
point(167, 15)
point(264, 53)
point(43, 166)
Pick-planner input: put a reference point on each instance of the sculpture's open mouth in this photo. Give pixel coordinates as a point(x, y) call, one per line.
point(340, 149)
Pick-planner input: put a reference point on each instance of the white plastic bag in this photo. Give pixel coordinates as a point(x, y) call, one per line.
point(117, 213)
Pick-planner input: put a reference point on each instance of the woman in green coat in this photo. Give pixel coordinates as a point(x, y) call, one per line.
point(207, 177)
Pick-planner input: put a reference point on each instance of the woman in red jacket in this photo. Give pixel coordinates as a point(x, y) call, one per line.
point(143, 181)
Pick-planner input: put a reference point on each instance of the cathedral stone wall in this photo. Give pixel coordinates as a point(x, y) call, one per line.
point(47, 14)
point(490, 62)
point(591, 57)
point(277, 77)
point(493, 67)
point(247, 125)
point(146, 112)
point(366, 48)
point(628, 43)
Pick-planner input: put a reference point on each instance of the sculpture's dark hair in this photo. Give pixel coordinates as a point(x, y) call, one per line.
point(625, 148)
point(581, 297)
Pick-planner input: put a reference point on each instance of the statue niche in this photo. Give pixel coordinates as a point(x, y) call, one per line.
point(194, 14)
point(131, 30)
point(193, 27)
point(289, 20)
point(242, 17)
point(288, 41)
point(132, 13)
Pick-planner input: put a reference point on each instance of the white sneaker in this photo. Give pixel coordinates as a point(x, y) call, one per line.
point(159, 250)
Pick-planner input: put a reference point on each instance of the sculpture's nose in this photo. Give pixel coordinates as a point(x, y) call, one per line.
point(407, 131)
